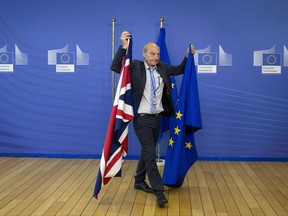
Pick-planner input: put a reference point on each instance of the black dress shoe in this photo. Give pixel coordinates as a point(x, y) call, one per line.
point(161, 199)
point(143, 186)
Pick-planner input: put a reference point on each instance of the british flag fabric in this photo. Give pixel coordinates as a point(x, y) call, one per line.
point(116, 142)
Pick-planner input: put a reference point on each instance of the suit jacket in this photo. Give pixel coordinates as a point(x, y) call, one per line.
point(138, 79)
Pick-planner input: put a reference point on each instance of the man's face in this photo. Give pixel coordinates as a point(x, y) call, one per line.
point(151, 55)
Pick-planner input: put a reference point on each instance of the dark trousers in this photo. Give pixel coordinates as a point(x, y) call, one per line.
point(147, 129)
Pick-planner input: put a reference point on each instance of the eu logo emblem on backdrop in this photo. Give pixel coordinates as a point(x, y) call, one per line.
point(207, 62)
point(271, 63)
point(271, 59)
point(65, 62)
point(207, 59)
point(65, 58)
point(6, 58)
point(6, 61)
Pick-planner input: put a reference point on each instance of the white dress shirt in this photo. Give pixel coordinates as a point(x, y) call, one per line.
point(144, 106)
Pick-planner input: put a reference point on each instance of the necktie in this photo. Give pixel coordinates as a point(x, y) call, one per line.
point(153, 100)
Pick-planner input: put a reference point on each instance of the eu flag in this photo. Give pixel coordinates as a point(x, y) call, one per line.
point(6, 58)
point(272, 59)
point(165, 122)
point(181, 152)
point(207, 59)
point(65, 58)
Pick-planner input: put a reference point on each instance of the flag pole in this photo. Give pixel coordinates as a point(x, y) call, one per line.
point(159, 161)
point(161, 22)
point(112, 52)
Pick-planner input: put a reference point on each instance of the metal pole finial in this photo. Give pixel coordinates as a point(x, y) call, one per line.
point(161, 22)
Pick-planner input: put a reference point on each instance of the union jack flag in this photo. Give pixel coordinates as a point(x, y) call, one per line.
point(116, 142)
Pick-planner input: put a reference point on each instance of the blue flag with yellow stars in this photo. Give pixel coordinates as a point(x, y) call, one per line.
point(164, 56)
point(181, 152)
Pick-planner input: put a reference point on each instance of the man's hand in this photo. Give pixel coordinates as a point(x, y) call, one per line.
point(124, 38)
point(190, 48)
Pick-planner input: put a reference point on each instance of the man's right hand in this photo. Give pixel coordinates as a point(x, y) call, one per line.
point(124, 38)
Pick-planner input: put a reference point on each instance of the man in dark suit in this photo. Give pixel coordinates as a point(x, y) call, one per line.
point(151, 83)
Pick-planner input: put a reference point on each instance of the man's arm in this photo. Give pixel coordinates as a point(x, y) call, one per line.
point(117, 61)
point(177, 70)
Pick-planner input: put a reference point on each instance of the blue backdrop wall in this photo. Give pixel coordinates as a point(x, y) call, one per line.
point(59, 105)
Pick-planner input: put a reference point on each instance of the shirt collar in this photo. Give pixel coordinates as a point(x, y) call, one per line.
point(147, 67)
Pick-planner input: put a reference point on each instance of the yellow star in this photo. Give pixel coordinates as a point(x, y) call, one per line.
point(188, 145)
point(172, 85)
point(178, 115)
point(171, 141)
point(177, 130)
